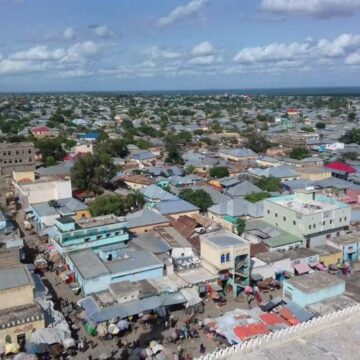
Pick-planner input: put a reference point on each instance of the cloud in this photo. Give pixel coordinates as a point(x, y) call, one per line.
point(340, 46)
point(321, 9)
point(154, 52)
point(272, 52)
point(14, 67)
point(309, 50)
point(75, 73)
point(69, 33)
point(39, 53)
point(81, 51)
point(205, 60)
point(353, 59)
point(181, 12)
point(102, 31)
point(203, 49)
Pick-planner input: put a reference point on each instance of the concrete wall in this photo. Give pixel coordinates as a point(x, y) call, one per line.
point(269, 270)
point(330, 259)
point(18, 296)
point(26, 329)
point(303, 299)
point(18, 175)
point(188, 213)
point(82, 214)
point(144, 229)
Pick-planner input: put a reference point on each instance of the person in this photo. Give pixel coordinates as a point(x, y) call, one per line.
point(202, 348)
point(200, 324)
point(179, 349)
point(187, 357)
point(90, 357)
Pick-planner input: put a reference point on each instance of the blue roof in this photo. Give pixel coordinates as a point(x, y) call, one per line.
point(175, 206)
point(89, 136)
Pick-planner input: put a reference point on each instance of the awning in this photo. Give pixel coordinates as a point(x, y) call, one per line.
point(301, 268)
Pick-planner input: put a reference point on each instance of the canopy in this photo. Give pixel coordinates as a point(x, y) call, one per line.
point(11, 348)
point(301, 268)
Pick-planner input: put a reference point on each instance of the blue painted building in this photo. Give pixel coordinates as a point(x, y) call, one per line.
point(349, 244)
point(312, 288)
point(72, 235)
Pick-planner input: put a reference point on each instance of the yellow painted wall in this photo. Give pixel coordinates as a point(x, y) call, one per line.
point(189, 213)
point(82, 214)
point(21, 329)
point(330, 259)
point(18, 175)
point(16, 297)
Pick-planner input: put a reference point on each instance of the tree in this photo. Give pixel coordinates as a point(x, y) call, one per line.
point(351, 137)
point(135, 200)
point(351, 116)
point(219, 172)
point(256, 141)
point(51, 148)
point(299, 153)
point(257, 196)
point(320, 125)
point(92, 172)
point(240, 226)
point(112, 147)
point(190, 169)
point(349, 155)
point(173, 154)
point(270, 184)
point(308, 129)
point(108, 204)
point(49, 161)
point(199, 198)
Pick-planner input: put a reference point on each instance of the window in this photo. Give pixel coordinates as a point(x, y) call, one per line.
point(314, 226)
point(275, 214)
point(117, 233)
point(309, 227)
point(87, 239)
point(338, 233)
point(98, 237)
point(294, 222)
point(222, 258)
point(83, 215)
point(324, 222)
point(29, 151)
point(108, 235)
point(284, 218)
point(268, 211)
point(330, 221)
point(328, 236)
point(345, 218)
point(340, 219)
point(276, 224)
point(227, 257)
point(17, 152)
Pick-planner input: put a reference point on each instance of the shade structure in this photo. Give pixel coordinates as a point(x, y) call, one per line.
point(113, 329)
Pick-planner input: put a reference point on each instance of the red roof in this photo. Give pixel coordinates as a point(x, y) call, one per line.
point(272, 319)
point(340, 166)
point(40, 129)
point(245, 332)
point(293, 110)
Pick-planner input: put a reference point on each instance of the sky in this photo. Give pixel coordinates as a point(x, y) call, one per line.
point(102, 45)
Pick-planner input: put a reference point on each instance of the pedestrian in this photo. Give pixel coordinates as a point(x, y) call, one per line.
point(90, 357)
point(200, 324)
point(179, 349)
point(202, 348)
point(187, 357)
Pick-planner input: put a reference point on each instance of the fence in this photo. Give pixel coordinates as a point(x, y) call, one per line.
point(284, 335)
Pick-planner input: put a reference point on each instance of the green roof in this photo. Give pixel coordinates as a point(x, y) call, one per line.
point(230, 219)
point(281, 240)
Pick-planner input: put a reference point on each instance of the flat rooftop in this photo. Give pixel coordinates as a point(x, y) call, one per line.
point(6, 146)
point(223, 238)
point(100, 221)
point(308, 206)
point(315, 281)
point(347, 239)
point(14, 277)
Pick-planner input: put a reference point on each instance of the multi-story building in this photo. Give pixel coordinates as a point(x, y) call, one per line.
point(42, 190)
point(72, 235)
point(228, 255)
point(16, 157)
point(19, 315)
point(310, 216)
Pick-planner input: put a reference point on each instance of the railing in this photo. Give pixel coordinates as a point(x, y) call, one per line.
point(294, 332)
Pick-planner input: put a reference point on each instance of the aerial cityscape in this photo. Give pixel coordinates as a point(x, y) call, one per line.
point(179, 180)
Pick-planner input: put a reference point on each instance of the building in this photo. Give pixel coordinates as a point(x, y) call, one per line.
point(228, 255)
point(145, 220)
point(72, 235)
point(45, 214)
point(174, 208)
point(349, 245)
point(238, 154)
point(19, 316)
point(305, 214)
point(44, 132)
point(97, 271)
point(312, 288)
point(16, 157)
point(329, 255)
point(340, 170)
point(42, 190)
